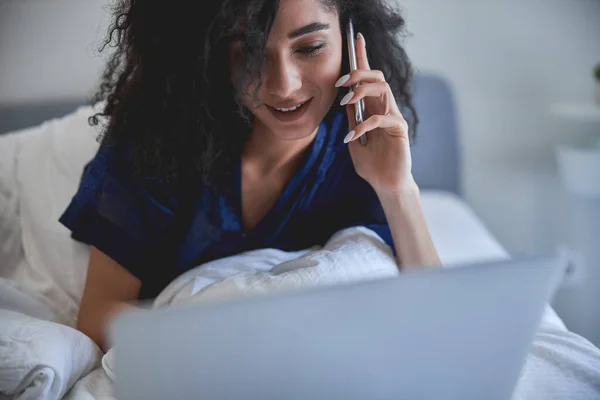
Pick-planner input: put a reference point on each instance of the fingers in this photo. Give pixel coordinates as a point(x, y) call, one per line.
point(361, 52)
point(350, 115)
point(395, 125)
point(379, 89)
point(363, 73)
point(360, 76)
point(372, 84)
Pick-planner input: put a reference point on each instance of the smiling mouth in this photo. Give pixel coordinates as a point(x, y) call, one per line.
point(291, 114)
point(290, 109)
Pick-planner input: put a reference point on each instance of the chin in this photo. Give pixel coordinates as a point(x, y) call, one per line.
point(299, 133)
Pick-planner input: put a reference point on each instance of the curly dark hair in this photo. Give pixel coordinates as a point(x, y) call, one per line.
point(169, 97)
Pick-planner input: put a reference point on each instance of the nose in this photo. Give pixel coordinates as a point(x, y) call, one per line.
point(282, 77)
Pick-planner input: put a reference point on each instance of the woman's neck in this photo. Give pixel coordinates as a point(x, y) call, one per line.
point(268, 153)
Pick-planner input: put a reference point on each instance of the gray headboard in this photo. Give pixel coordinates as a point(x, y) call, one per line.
point(436, 159)
point(436, 152)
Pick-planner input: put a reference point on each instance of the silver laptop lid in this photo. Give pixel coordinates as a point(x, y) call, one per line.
point(450, 333)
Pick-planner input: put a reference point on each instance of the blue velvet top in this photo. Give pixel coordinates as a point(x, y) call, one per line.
point(138, 223)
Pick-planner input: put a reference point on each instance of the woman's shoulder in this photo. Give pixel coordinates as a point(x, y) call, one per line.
point(111, 190)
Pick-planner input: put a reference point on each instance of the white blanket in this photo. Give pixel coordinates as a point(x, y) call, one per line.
point(350, 255)
point(561, 365)
point(95, 386)
point(41, 360)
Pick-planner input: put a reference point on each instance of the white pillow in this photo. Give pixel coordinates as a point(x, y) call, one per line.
point(12, 298)
point(50, 162)
point(11, 248)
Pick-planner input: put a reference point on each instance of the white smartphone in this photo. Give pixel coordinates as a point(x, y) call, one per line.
point(359, 107)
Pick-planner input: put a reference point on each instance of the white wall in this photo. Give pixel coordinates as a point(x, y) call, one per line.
point(48, 49)
point(508, 61)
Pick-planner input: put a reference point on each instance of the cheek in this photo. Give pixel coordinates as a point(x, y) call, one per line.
point(332, 69)
point(325, 72)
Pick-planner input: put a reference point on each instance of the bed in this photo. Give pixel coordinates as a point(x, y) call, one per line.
point(43, 149)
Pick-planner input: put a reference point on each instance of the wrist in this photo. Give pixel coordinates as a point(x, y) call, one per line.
point(404, 214)
point(406, 194)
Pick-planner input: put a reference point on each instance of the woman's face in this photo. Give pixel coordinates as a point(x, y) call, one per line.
point(304, 60)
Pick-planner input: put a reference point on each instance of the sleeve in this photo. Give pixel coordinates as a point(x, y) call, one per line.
point(383, 230)
point(352, 201)
point(360, 206)
point(116, 213)
point(368, 212)
point(373, 218)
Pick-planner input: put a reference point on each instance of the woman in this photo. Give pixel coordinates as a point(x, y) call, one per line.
point(226, 132)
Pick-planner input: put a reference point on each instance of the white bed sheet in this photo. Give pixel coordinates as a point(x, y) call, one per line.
point(459, 235)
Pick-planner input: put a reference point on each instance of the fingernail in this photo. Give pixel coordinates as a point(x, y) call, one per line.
point(342, 80)
point(349, 136)
point(363, 39)
point(347, 98)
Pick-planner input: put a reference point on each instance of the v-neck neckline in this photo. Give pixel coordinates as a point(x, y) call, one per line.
point(307, 163)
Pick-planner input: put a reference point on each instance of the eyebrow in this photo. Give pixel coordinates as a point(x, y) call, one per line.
point(310, 28)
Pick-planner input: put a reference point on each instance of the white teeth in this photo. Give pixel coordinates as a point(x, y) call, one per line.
point(290, 109)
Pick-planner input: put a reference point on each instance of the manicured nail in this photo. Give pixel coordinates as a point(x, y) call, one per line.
point(349, 136)
point(360, 35)
point(342, 80)
point(347, 98)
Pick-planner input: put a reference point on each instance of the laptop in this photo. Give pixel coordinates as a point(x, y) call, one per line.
point(456, 333)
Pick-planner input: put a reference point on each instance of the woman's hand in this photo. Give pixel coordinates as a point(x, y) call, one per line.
point(385, 162)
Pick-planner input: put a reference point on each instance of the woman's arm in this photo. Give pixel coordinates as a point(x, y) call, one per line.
point(386, 162)
point(108, 289)
point(412, 241)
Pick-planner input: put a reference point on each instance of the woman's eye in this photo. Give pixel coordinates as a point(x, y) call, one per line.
point(311, 51)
